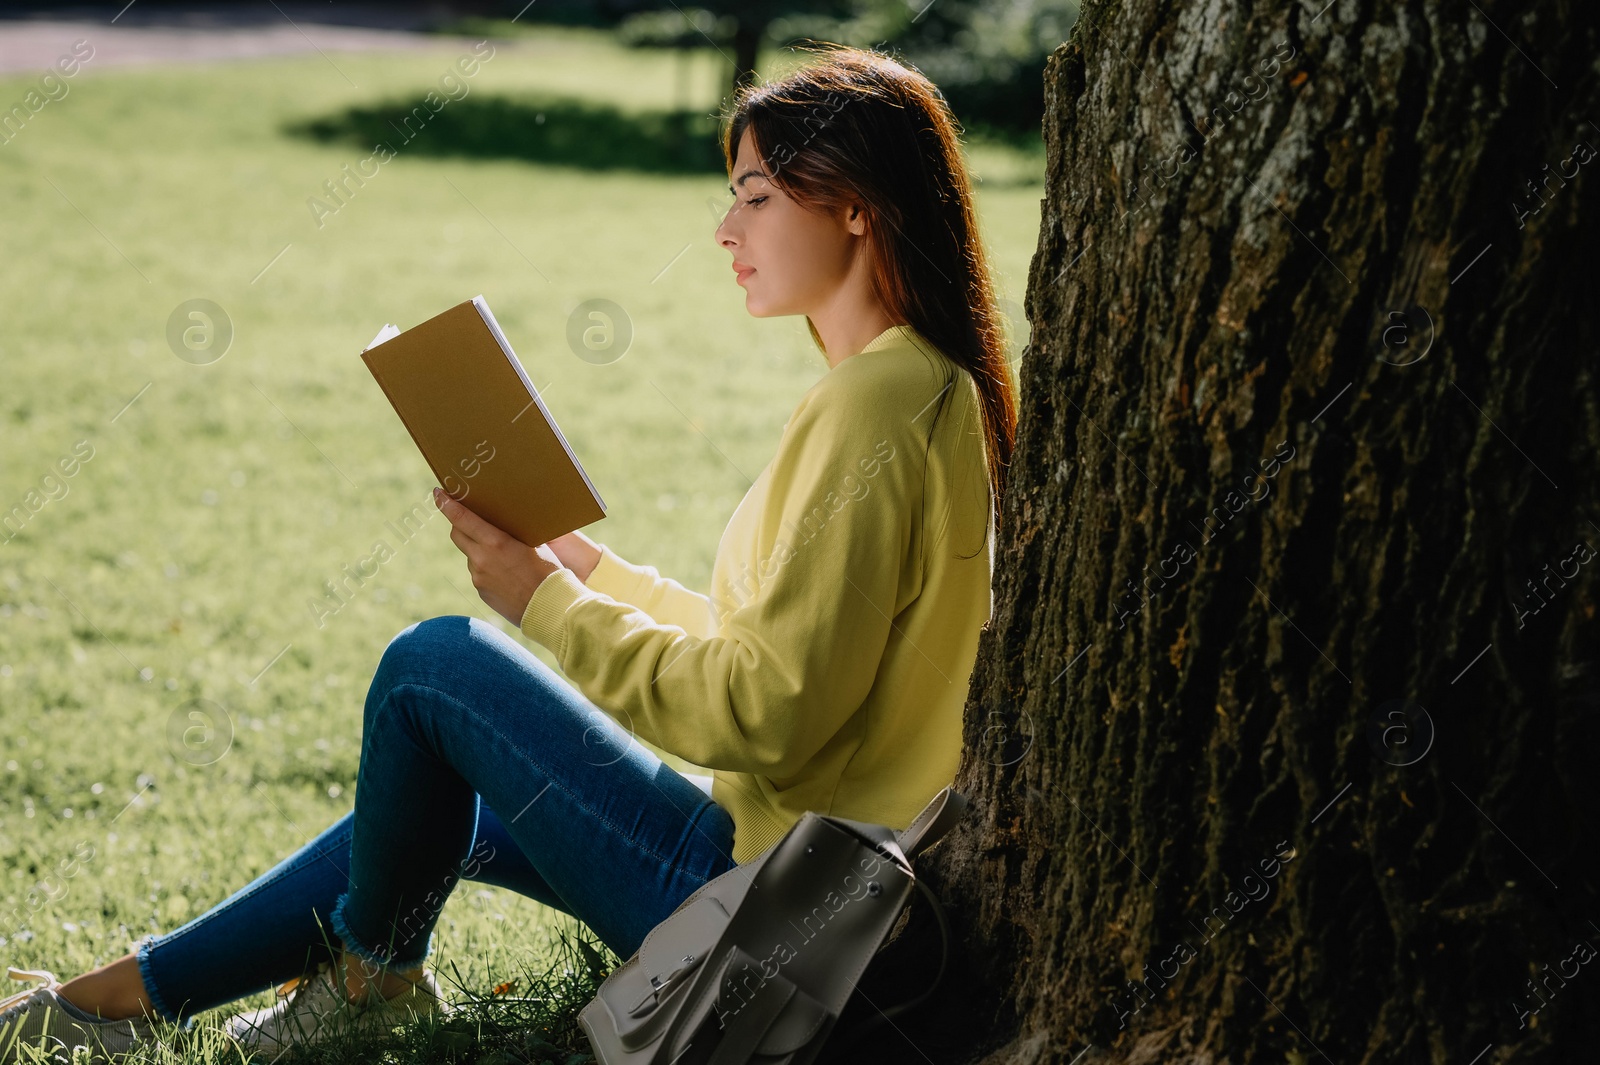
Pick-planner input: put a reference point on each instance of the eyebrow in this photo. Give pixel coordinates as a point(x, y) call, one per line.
point(748, 173)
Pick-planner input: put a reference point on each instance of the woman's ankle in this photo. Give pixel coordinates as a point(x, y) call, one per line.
point(113, 992)
point(361, 983)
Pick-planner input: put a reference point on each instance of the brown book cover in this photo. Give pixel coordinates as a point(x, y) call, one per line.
point(481, 425)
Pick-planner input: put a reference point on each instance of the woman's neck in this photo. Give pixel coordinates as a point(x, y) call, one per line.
point(843, 337)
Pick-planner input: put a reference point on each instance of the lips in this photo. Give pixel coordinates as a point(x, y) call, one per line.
point(743, 271)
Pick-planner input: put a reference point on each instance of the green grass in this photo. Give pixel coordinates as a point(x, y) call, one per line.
point(180, 561)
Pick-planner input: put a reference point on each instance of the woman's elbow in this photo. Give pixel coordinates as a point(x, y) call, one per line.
point(767, 755)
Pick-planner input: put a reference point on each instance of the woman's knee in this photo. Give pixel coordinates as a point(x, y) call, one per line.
point(417, 654)
point(457, 654)
point(426, 638)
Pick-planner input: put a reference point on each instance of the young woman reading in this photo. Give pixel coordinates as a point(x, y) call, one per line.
point(826, 670)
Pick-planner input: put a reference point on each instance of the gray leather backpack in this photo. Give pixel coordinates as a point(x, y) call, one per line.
point(757, 964)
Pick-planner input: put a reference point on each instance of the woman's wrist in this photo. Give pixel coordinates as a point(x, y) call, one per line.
point(589, 557)
point(577, 552)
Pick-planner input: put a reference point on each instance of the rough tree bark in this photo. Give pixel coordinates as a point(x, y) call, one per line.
point(1280, 738)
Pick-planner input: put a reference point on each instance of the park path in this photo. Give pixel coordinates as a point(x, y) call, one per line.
point(30, 42)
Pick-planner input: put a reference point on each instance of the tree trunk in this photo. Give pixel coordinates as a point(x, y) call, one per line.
point(1279, 739)
point(747, 35)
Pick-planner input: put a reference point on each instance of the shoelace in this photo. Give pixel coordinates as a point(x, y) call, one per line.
point(12, 971)
point(298, 985)
point(291, 991)
point(324, 983)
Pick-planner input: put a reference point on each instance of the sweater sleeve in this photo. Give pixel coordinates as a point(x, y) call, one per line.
point(661, 597)
point(789, 665)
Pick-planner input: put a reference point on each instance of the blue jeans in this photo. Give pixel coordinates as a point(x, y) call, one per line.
point(478, 762)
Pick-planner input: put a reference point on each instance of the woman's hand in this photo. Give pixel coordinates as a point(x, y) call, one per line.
point(577, 552)
point(504, 569)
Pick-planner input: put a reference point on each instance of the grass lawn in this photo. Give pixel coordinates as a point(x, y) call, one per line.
point(173, 572)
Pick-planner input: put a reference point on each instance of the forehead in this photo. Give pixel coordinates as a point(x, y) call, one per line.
point(747, 164)
point(748, 156)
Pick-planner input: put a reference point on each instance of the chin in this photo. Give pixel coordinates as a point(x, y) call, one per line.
point(762, 305)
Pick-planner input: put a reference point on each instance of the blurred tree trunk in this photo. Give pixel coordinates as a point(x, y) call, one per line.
point(1279, 739)
point(747, 35)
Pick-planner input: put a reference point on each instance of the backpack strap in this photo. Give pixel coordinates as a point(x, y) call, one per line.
point(853, 1035)
point(936, 818)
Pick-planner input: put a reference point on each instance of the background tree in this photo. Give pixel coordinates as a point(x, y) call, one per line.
point(1280, 738)
point(736, 30)
point(986, 56)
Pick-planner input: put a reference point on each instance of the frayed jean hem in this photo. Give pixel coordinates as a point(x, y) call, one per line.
point(152, 992)
point(375, 961)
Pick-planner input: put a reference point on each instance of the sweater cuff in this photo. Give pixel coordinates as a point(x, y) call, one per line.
point(544, 618)
point(614, 576)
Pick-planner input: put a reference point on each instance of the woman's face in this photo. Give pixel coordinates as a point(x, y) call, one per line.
point(789, 260)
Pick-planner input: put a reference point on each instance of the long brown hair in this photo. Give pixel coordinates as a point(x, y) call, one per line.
point(857, 125)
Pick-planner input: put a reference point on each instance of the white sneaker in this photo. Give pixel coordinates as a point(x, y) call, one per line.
point(40, 1016)
point(313, 1007)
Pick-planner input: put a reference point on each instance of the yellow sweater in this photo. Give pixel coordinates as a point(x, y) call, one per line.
point(828, 668)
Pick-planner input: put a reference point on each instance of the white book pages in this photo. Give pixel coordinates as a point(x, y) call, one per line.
point(388, 332)
point(511, 356)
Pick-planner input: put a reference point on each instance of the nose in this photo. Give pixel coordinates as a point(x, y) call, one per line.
point(726, 234)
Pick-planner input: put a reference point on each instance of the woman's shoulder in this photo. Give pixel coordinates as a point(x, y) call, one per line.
point(900, 378)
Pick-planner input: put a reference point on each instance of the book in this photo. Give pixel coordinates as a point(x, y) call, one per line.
point(481, 425)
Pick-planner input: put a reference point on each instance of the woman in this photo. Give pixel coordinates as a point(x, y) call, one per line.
point(826, 670)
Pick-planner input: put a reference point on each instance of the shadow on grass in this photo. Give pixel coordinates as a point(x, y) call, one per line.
point(557, 130)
